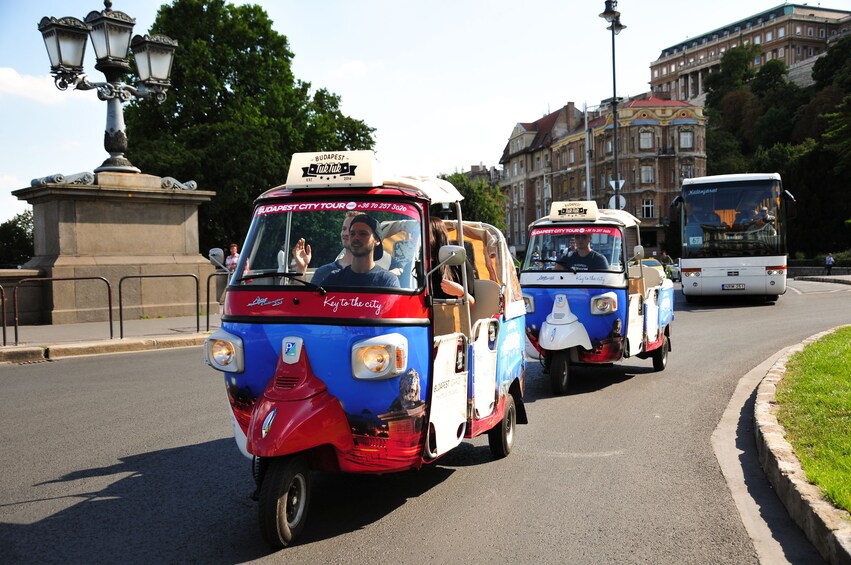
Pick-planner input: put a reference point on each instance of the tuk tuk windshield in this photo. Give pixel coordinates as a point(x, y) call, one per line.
point(273, 255)
point(577, 248)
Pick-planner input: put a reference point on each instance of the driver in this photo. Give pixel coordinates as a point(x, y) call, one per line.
point(584, 258)
point(366, 248)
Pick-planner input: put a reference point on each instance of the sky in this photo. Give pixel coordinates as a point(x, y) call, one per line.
point(443, 81)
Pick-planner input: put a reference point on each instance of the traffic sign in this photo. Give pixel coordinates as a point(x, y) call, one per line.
point(616, 184)
point(619, 205)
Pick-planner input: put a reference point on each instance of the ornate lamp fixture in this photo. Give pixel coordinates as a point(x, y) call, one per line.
point(611, 15)
point(110, 32)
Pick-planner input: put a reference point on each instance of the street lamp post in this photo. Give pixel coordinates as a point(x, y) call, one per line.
point(612, 16)
point(110, 32)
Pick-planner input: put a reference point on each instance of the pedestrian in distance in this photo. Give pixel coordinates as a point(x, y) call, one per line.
point(828, 263)
point(232, 259)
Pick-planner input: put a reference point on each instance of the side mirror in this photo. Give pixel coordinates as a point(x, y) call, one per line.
point(452, 255)
point(449, 255)
point(638, 252)
point(217, 258)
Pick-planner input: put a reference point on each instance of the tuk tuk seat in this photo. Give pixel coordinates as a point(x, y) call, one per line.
point(487, 299)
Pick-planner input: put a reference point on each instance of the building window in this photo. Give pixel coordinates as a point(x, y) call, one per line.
point(757, 40)
point(686, 139)
point(769, 35)
point(609, 146)
point(821, 33)
point(646, 208)
point(781, 32)
point(810, 32)
point(571, 157)
point(687, 171)
point(645, 140)
point(646, 174)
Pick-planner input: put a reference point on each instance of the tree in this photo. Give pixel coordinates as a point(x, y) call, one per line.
point(235, 113)
point(482, 202)
point(736, 71)
point(16, 239)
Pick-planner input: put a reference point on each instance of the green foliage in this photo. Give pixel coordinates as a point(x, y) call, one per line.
point(814, 398)
point(758, 121)
point(835, 66)
point(838, 136)
point(482, 202)
point(16, 240)
point(723, 153)
point(736, 70)
point(235, 113)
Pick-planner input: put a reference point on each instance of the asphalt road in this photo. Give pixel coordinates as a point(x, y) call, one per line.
point(130, 458)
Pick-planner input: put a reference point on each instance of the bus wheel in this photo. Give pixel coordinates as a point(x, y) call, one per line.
point(284, 499)
point(660, 356)
point(560, 372)
point(501, 438)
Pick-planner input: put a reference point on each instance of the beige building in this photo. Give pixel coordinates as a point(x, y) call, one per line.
point(793, 33)
point(660, 142)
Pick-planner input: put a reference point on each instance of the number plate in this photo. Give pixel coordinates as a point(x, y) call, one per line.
point(736, 286)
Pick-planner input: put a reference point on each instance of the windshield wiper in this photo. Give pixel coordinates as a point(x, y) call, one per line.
point(291, 275)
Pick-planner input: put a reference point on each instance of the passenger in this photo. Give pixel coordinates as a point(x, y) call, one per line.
point(302, 253)
point(704, 217)
point(584, 258)
point(446, 280)
point(366, 248)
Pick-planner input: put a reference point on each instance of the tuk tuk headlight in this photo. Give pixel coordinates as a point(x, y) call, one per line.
point(604, 304)
point(380, 357)
point(223, 351)
point(529, 302)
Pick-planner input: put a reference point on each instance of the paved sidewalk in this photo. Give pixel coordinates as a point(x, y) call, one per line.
point(38, 343)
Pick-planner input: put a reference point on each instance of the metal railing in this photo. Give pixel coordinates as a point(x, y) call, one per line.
point(42, 279)
point(3, 306)
point(217, 273)
point(197, 298)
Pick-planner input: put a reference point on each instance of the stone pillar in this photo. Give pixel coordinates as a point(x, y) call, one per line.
point(115, 225)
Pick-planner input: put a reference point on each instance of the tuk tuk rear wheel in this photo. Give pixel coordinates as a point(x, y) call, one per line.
point(284, 499)
point(501, 438)
point(560, 372)
point(660, 356)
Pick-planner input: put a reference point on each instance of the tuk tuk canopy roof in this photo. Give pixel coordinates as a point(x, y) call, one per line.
point(359, 169)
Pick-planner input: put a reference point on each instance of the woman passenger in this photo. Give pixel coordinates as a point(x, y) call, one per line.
point(446, 280)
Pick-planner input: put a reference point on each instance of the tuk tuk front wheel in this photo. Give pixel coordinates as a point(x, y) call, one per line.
point(284, 499)
point(660, 356)
point(501, 438)
point(560, 372)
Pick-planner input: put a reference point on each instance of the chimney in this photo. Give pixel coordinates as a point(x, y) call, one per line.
point(571, 116)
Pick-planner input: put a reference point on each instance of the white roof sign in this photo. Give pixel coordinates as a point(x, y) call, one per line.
point(326, 169)
point(573, 211)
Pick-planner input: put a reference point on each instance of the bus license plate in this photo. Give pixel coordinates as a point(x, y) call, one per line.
point(736, 286)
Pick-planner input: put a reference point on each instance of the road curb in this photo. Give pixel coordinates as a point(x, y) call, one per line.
point(828, 528)
point(19, 354)
point(825, 278)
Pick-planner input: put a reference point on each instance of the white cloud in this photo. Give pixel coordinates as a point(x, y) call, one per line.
point(36, 88)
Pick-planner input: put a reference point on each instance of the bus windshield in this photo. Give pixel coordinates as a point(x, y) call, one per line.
point(553, 248)
point(274, 256)
point(733, 219)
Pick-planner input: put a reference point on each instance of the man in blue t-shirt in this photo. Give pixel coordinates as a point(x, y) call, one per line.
point(365, 246)
point(584, 258)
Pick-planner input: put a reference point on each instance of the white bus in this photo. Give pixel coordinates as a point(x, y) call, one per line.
point(733, 235)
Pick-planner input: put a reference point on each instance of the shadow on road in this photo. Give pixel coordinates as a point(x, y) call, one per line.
point(185, 504)
point(796, 548)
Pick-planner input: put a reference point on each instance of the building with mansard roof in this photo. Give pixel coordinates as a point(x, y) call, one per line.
point(794, 33)
point(660, 142)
